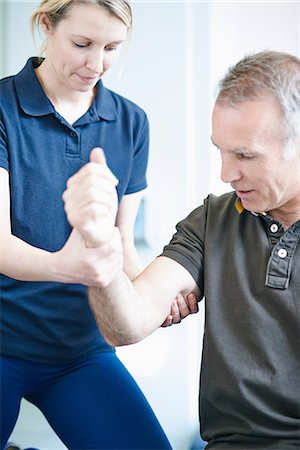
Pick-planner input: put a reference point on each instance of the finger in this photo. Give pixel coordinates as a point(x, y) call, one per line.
point(175, 312)
point(92, 238)
point(193, 303)
point(168, 321)
point(182, 306)
point(92, 196)
point(97, 155)
point(90, 217)
point(92, 172)
point(114, 246)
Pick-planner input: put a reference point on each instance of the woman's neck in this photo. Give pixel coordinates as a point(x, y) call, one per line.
point(71, 105)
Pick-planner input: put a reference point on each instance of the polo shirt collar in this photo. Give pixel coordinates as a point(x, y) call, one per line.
point(32, 98)
point(239, 207)
point(34, 101)
point(104, 103)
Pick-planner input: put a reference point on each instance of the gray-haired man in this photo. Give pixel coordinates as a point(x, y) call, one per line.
point(241, 252)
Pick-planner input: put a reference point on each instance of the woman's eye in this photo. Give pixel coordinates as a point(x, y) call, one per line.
point(111, 49)
point(81, 45)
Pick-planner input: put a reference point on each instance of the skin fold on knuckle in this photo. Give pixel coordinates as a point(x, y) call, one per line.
point(101, 281)
point(70, 217)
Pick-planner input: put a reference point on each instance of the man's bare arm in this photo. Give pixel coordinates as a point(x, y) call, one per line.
point(127, 312)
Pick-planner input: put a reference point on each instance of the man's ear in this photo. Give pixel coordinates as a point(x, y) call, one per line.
point(46, 23)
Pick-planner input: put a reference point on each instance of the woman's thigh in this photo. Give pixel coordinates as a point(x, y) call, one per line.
point(15, 381)
point(96, 404)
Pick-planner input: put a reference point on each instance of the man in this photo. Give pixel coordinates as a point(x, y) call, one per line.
point(241, 252)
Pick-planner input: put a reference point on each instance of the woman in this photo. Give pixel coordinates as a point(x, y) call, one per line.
point(52, 114)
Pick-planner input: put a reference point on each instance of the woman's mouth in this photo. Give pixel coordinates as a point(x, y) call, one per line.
point(88, 80)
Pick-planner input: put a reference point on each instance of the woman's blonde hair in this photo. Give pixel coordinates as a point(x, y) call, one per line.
point(57, 10)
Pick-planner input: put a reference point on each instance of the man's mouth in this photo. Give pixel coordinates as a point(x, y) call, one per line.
point(243, 193)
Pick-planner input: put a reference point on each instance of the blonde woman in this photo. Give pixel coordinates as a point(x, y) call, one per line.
point(52, 114)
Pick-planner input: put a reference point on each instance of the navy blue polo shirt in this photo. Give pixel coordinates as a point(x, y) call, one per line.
point(52, 322)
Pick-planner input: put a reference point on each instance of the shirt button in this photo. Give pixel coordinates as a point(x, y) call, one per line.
point(72, 133)
point(274, 228)
point(282, 253)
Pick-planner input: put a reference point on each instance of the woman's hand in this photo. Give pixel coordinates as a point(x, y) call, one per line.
point(95, 267)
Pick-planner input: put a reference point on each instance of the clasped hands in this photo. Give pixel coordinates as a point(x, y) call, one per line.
point(91, 205)
point(91, 201)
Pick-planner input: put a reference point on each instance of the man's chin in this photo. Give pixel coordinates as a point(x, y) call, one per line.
point(252, 206)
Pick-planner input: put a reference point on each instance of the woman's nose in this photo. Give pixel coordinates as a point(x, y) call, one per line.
point(95, 62)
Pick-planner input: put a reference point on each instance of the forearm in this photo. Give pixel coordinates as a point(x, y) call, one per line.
point(132, 263)
point(73, 263)
point(124, 312)
point(127, 312)
point(24, 262)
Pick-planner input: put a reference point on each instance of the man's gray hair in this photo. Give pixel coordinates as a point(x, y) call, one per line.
point(267, 73)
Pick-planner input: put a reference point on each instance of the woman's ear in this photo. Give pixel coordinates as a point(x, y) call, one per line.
point(46, 23)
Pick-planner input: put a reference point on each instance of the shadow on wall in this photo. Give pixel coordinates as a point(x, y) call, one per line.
point(12, 446)
point(198, 443)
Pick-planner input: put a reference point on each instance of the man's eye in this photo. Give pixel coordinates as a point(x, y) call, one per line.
point(244, 156)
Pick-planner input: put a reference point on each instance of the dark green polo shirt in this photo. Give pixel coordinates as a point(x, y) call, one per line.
point(248, 269)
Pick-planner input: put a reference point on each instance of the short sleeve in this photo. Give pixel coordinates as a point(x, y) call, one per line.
point(187, 245)
point(138, 181)
point(4, 163)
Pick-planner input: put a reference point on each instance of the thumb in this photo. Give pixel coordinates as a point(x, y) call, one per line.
point(97, 156)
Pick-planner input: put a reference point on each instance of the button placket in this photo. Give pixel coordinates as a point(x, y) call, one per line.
point(274, 228)
point(280, 261)
point(282, 253)
point(72, 144)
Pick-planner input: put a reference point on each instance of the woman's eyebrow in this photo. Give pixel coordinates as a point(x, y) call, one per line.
point(89, 39)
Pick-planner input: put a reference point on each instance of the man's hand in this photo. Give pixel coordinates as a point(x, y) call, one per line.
point(181, 308)
point(91, 200)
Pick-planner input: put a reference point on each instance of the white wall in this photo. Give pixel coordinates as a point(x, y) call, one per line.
point(243, 27)
point(178, 52)
point(2, 14)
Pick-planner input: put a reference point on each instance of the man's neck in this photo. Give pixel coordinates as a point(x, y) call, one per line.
point(287, 219)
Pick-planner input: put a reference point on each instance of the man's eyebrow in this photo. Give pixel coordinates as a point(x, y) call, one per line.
point(251, 153)
point(236, 150)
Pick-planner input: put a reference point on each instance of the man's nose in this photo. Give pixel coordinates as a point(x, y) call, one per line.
point(229, 172)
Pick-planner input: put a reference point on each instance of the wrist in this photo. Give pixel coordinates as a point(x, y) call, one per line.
point(55, 266)
point(49, 265)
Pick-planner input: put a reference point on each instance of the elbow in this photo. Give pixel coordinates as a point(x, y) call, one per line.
point(121, 339)
point(119, 342)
